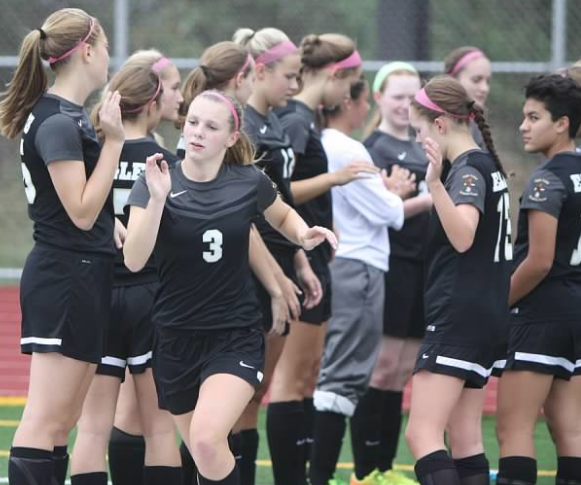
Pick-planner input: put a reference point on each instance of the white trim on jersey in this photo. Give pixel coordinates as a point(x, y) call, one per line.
point(41, 341)
point(114, 361)
point(139, 359)
point(547, 360)
point(463, 364)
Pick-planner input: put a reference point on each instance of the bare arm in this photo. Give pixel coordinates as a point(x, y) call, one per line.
point(540, 257)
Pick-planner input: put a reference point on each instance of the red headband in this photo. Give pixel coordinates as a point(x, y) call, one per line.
point(53, 60)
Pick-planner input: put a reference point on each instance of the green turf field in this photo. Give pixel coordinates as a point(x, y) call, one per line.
point(546, 458)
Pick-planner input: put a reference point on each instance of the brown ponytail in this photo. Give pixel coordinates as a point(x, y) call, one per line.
point(450, 95)
point(218, 65)
point(61, 31)
point(318, 51)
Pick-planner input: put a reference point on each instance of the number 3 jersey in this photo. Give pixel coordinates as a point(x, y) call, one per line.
point(131, 166)
point(201, 250)
point(466, 295)
point(58, 130)
point(554, 188)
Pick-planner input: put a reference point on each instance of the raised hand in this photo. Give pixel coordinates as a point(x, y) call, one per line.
point(434, 155)
point(110, 117)
point(400, 181)
point(316, 235)
point(157, 177)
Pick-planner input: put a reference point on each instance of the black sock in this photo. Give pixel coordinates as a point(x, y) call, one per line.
point(309, 407)
point(390, 428)
point(365, 434)
point(162, 475)
point(95, 478)
point(437, 468)
point(245, 452)
point(30, 466)
point(568, 470)
point(189, 470)
point(126, 458)
point(231, 479)
point(60, 457)
point(517, 470)
point(328, 436)
point(473, 470)
point(285, 427)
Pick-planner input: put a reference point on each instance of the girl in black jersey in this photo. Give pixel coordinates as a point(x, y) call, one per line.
point(196, 217)
point(469, 235)
point(126, 451)
point(379, 413)
point(330, 62)
point(544, 352)
point(66, 283)
point(277, 67)
point(130, 336)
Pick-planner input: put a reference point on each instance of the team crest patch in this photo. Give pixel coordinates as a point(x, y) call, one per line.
point(469, 185)
point(540, 186)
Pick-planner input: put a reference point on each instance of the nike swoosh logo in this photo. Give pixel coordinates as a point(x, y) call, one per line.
point(174, 195)
point(425, 356)
point(263, 130)
point(372, 443)
point(401, 155)
point(245, 365)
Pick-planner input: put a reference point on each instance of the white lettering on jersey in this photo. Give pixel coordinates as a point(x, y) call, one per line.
point(123, 174)
point(29, 122)
point(576, 179)
point(498, 182)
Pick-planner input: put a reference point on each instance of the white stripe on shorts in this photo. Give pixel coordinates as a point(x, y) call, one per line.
point(545, 359)
point(499, 364)
point(463, 364)
point(41, 341)
point(114, 361)
point(140, 359)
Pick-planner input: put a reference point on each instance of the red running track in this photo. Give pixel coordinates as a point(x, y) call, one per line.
point(14, 366)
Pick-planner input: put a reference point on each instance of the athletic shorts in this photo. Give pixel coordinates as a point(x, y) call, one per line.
point(403, 313)
point(471, 364)
point(547, 348)
point(184, 359)
point(322, 312)
point(286, 263)
point(130, 336)
point(65, 298)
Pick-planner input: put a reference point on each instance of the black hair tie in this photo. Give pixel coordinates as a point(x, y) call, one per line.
point(42, 33)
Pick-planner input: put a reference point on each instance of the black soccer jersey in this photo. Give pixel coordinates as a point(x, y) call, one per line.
point(60, 130)
point(466, 297)
point(387, 151)
point(554, 188)
point(275, 155)
point(299, 122)
point(202, 248)
point(131, 166)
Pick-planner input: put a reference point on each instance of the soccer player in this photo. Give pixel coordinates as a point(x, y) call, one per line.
point(469, 235)
point(544, 356)
point(66, 284)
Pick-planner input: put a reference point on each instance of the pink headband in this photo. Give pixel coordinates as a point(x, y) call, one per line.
point(422, 98)
point(354, 60)
point(233, 112)
point(160, 65)
point(246, 63)
point(53, 60)
point(136, 110)
point(277, 52)
point(465, 59)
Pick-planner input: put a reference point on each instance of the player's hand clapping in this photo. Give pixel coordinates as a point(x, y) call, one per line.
point(110, 118)
point(400, 181)
point(157, 177)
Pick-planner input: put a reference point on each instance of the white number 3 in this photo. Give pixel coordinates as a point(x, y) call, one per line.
point(215, 239)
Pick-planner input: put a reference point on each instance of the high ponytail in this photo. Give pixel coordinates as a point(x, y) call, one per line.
point(27, 85)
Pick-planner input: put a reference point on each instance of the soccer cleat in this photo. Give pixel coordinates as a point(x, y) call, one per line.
point(374, 478)
point(394, 477)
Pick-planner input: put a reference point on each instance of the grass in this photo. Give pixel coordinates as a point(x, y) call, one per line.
point(546, 456)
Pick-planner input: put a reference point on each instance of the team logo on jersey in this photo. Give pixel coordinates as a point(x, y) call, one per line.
point(540, 186)
point(469, 185)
